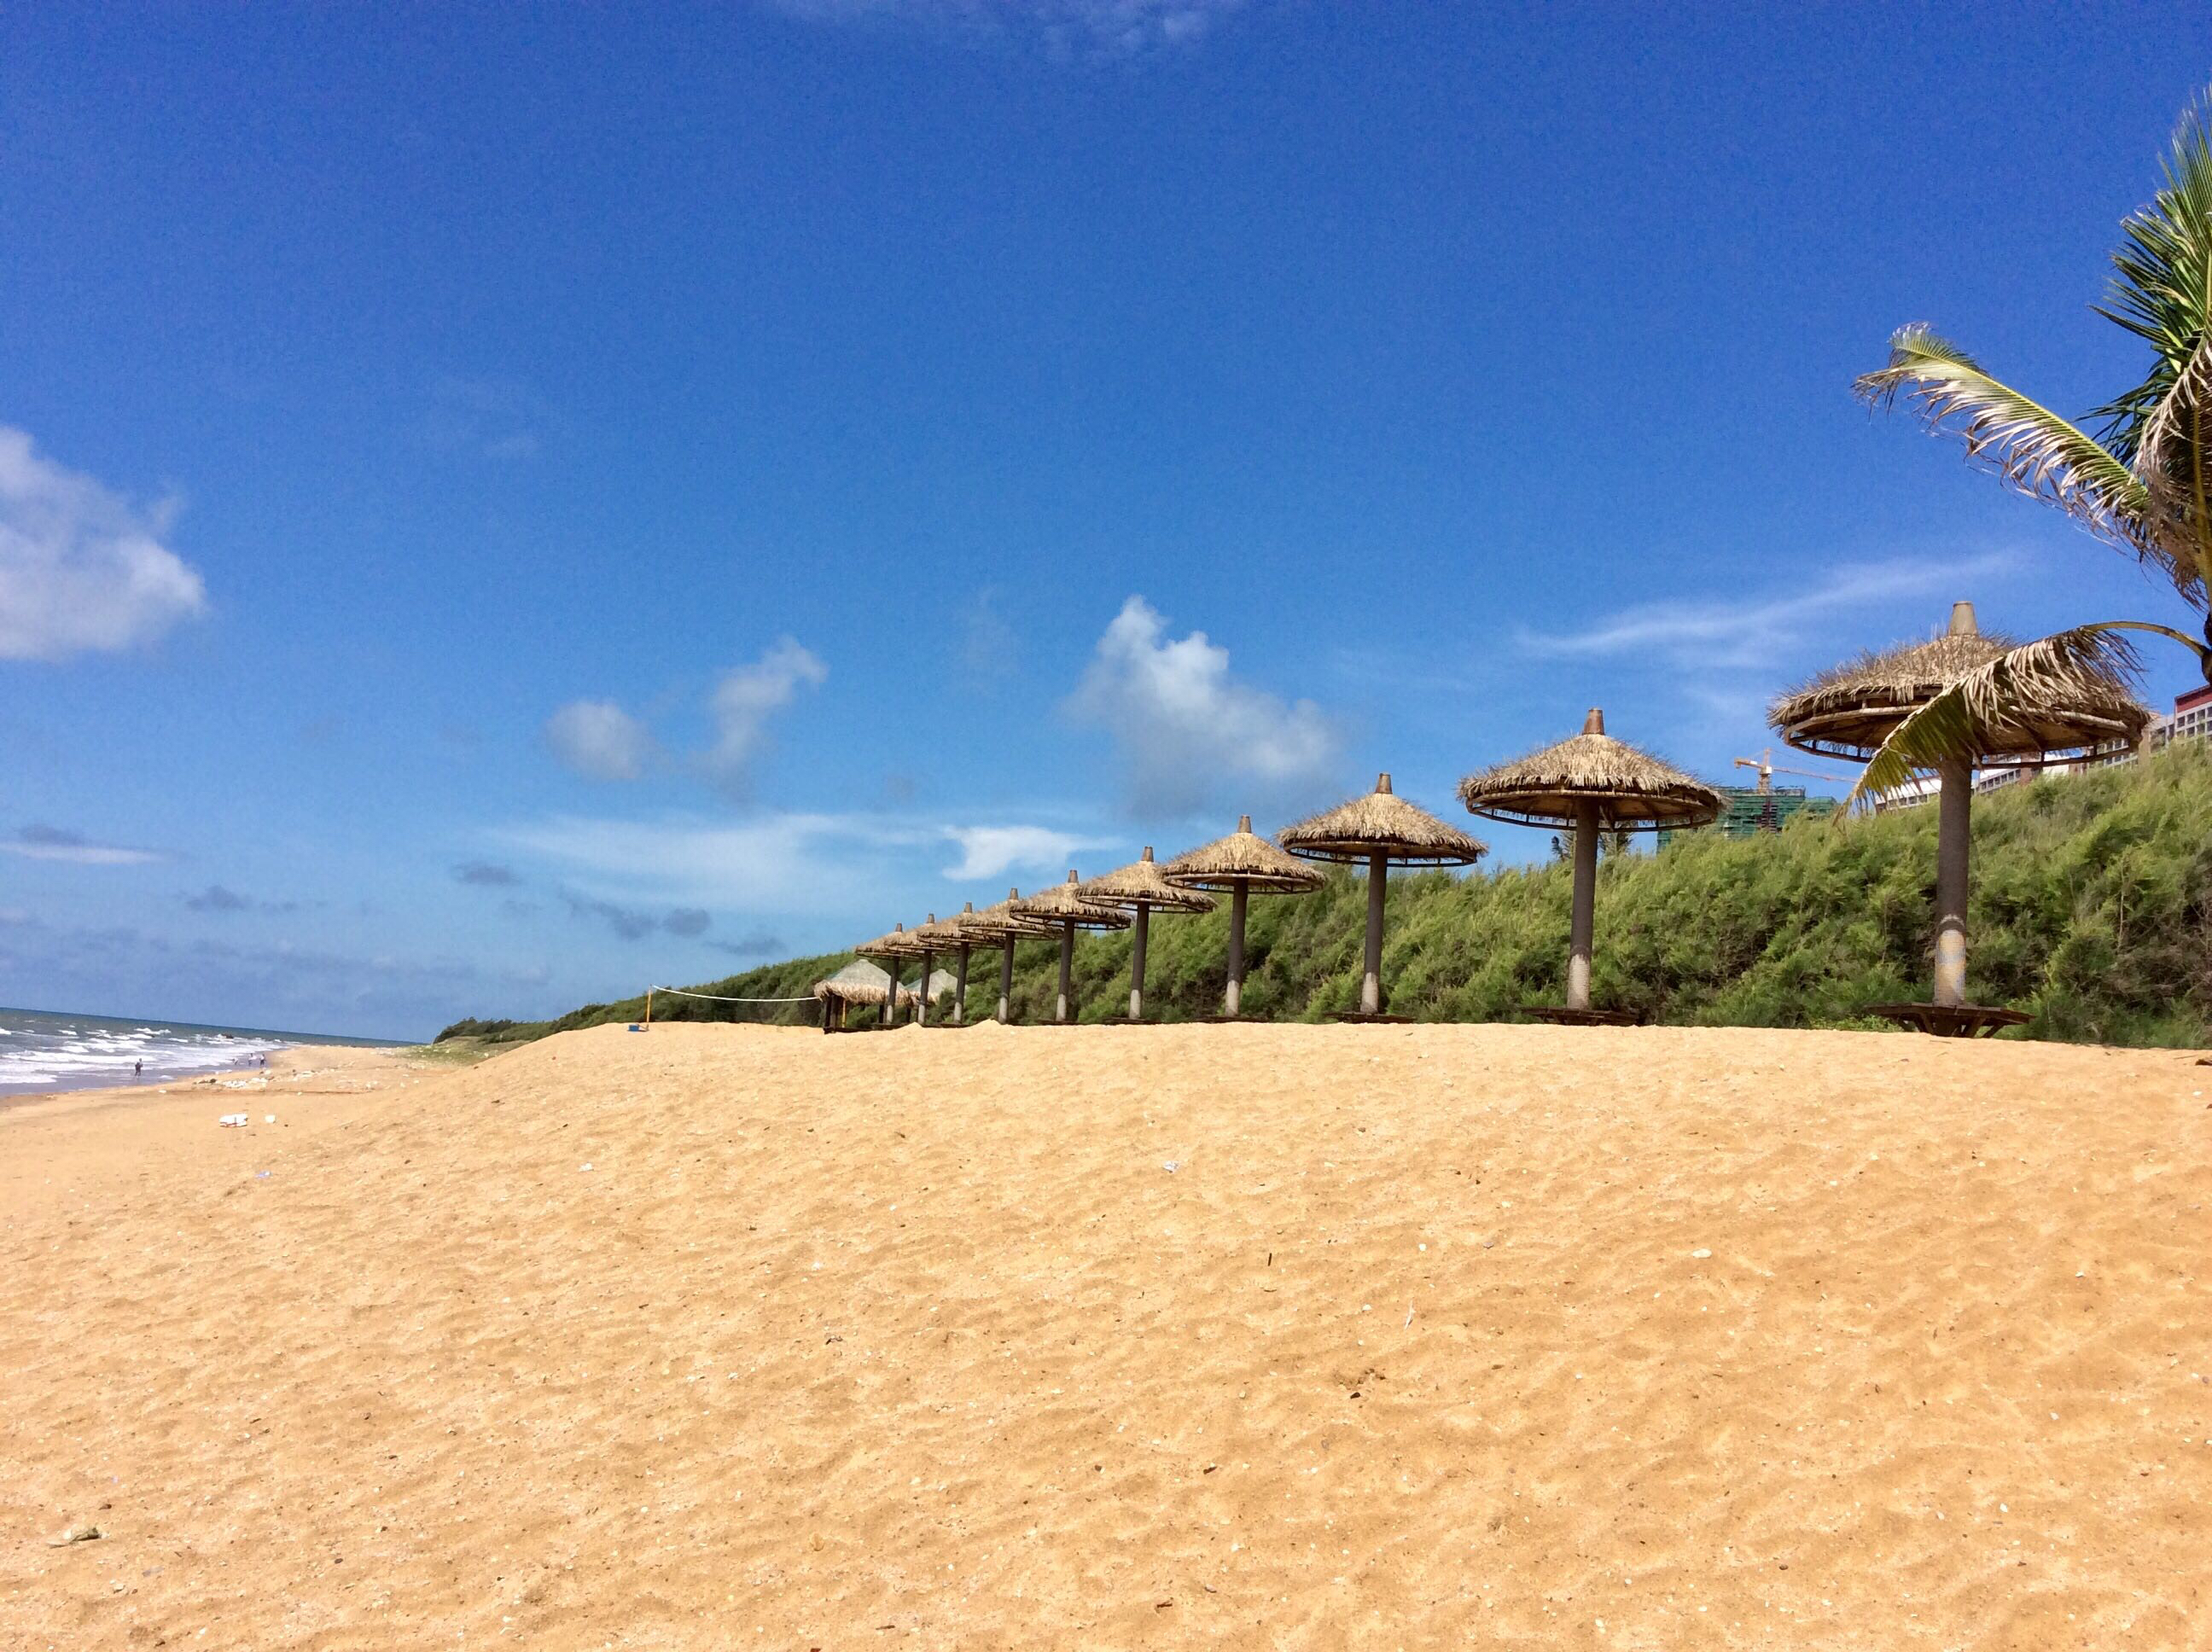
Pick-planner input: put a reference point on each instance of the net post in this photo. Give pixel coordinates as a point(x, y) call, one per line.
point(648, 1009)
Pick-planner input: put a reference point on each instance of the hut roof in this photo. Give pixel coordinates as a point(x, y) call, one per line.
point(941, 933)
point(1001, 920)
point(1242, 857)
point(1633, 791)
point(861, 982)
point(1849, 710)
point(898, 944)
point(1061, 903)
point(1384, 823)
point(1140, 884)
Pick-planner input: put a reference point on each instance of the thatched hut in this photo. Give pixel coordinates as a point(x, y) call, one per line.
point(1850, 710)
point(1001, 925)
point(859, 982)
point(891, 950)
point(1240, 862)
point(1066, 910)
point(1139, 889)
point(1373, 831)
point(1591, 783)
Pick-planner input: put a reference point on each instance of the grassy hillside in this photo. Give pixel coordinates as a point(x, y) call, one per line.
point(2091, 908)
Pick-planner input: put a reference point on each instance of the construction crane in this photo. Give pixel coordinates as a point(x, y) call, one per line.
point(1768, 769)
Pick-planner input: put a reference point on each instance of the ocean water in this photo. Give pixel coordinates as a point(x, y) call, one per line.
point(42, 1051)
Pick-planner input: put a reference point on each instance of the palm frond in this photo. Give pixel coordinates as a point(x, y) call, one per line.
point(2161, 292)
point(2026, 444)
point(1969, 718)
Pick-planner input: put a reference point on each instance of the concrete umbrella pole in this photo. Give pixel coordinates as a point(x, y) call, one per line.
point(1954, 842)
point(1007, 970)
point(1582, 929)
point(1240, 896)
point(960, 987)
point(1139, 931)
point(1063, 1007)
point(921, 1004)
point(1371, 974)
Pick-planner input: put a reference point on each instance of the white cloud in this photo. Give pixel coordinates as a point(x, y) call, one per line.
point(993, 851)
point(52, 843)
point(746, 697)
point(1188, 732)
point(82, 569)
point(1062, 27)
point(599, 740)
point(1752, 630)
point(766, 863)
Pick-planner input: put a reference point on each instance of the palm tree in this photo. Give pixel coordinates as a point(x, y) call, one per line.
point(2141, 485)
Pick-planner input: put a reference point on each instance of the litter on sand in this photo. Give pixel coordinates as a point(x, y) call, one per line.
point(239, 1119)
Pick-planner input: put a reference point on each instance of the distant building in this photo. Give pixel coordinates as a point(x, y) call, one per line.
point(2192, 716)
point(1748, 812)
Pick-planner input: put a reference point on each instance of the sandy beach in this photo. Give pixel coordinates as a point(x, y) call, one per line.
point(1243, 1336)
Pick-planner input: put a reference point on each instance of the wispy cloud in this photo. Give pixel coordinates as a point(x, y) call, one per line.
point(489, 417)
point(222, 899)
point(82, 570)
point(1754, 629)
point(1063, 29)
point(993, 851)
point(1187, 732)
point(485, 874)
point(600, 741)
point(746, 698)
point(37, 842)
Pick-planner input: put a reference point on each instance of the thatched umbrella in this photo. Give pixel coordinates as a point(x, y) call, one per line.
point(1003, 925)
point(859, 982)
point(1593, 783)
point(1067, 911)
point(1849, 712)
point(938, 936)
point(891, 950)
point(1240, 862)
point(1376, 829)
point(954, 933)
point(1138, 888)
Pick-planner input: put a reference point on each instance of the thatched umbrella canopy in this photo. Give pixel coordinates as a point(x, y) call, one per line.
point(1593, 783)
point(1375, 831)
point(1240, 862)
point(893, 948)
point(859, 982)
point(1850, 710)
point(1136, 889)
point(1061, 906)
point(1002, 925)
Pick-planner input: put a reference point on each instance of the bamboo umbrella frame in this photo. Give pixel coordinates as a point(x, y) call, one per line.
point(1003, 925)
point(1376, 830)
point(1240, 862)
point(1137, 888)
point(1849, 711)
point(1061, 906)
point(1592, 783)
point(890, 950)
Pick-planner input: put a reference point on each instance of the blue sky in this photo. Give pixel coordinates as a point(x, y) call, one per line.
point(505, 504)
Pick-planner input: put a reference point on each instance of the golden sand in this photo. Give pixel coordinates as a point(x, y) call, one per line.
point(1216, 1336)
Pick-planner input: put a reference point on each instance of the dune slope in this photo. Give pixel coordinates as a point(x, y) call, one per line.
point(1222, 1336)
